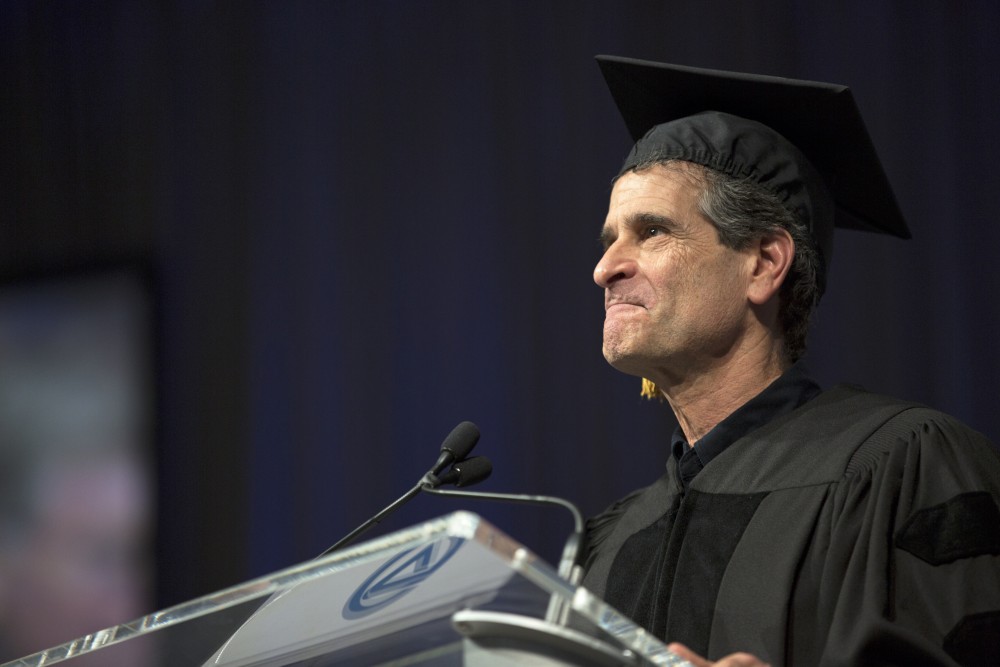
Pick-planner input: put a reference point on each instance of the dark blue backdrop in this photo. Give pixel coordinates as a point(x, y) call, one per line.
point(372, 220)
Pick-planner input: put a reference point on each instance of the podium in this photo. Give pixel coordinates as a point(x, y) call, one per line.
point(452, 591)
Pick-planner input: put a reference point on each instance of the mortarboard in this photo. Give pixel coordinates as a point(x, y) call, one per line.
point(805, 141)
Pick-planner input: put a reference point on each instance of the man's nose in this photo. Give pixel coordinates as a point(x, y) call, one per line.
point(615, 265)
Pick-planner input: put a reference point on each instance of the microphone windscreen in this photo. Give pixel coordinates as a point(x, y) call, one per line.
point(461, 440)
point(472, 471)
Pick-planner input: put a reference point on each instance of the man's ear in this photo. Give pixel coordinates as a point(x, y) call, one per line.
point(772, 256)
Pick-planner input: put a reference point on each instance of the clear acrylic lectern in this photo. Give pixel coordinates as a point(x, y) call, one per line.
point(452, 591)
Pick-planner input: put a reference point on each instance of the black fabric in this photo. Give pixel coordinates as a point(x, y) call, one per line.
point(689, 463)
point(965, 526)
point(661, 559)
point(975, 640)
point(644, 553)
point(693, 574)
point(814, 578)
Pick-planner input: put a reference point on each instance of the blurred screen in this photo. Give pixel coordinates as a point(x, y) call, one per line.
point(76, 496)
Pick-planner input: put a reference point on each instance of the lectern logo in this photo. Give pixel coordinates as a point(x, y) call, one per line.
point(400, 575)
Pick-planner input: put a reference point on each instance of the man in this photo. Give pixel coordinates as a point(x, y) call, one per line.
point(792, 525)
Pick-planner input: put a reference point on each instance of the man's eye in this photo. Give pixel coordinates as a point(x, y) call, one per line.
point(652, 231)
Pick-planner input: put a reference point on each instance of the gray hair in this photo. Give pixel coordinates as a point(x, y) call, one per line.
point(743, 211)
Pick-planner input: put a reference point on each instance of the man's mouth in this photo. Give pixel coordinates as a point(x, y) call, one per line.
point(621, 305)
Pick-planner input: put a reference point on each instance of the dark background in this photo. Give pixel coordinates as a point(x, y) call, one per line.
point(368, 221)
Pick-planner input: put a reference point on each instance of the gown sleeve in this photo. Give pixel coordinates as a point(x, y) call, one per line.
point(911, 573)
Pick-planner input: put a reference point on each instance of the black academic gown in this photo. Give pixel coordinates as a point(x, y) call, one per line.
point(856, 530)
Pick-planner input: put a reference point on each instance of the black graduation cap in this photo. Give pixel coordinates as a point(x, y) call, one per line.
point(803, 140)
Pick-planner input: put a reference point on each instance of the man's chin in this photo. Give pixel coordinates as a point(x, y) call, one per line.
point(626, 361)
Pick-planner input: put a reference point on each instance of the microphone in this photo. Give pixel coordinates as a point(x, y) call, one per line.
point(455, 448)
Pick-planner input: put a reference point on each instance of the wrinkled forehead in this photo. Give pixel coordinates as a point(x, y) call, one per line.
point(662, 194)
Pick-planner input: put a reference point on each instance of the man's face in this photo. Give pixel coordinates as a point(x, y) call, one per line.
point(675, 297)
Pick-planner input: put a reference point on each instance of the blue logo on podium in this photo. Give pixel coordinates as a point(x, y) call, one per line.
point(399, 575)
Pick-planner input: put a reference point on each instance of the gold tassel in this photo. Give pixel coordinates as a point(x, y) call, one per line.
point(649, 390)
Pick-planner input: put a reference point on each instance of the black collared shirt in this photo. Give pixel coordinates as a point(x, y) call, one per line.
point(792, 389)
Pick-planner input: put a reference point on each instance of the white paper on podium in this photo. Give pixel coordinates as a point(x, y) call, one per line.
point(327, 614)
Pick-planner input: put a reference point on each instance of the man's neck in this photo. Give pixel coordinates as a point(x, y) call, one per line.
point(702, 400)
